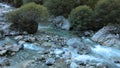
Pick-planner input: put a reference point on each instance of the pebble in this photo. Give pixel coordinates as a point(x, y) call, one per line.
point(18, 37)
point(3, 52)
point(50, 61)
point(58, 51)
point(4, 61)
point(73, 65)
point(99, 65)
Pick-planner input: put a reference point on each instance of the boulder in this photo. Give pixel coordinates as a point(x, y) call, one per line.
point(108, 35)
point(77, 44)
point(61, 23)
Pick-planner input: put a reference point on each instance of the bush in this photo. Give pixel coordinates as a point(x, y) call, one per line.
point(81, 18)
point(107, 11)
point(28, 14)
point(92, 3)
point(17, 3)
point(36, 1)
point(60, 7)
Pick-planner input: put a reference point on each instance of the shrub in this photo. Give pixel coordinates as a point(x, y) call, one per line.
point(36, 1)
point(81, 18)
point(28, 14)
point(60, 7)
point(92, 3)
point(17, 3)
point(107, 11)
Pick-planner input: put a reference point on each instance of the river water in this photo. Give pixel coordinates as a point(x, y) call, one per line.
point(99, 53)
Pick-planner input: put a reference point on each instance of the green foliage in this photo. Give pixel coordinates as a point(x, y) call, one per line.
point(36, 1)
point(81, 18)
point(60, 7)
point(17, 3)
point(27, 13)
point(92, 3)
point(107, 11)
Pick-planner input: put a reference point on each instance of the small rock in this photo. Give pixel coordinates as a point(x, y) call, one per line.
point(73, 65)
point(67, 55)
point(18, 37)
point(99, 65)
point(14, 47)
point(48, 44)
point(20, 43)
point(50, 61)
point(4, 61)
point(3, 52)
point(117, 61)
point(92, 67)
point(58, 51)
point(23, 64)
point(32, 46)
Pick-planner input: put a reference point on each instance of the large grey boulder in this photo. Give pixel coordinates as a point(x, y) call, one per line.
point(108, 35)
point(61, 23)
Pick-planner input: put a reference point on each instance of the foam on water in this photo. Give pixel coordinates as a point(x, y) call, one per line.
point(32, 46)
point(5, 5)
point(106, 52)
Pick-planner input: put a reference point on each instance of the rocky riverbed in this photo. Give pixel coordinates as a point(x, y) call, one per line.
point(52, 48)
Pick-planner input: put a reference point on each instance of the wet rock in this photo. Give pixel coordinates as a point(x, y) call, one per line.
point(67, 55)
point(50, 61)
point(61, 22)
point(4, 49)
point(2, 52)
point(23, 64)
point(30, 39)
point(41, 58)
point(20, 43)
point(76, 44)
point(73, 65)
point(88, 33)
point(108, 35)
point(4, 61)
point(48, 44)
point(18, 37)
point(13, 48)
point(100, 65)
point(32, 46)
point(58, 51)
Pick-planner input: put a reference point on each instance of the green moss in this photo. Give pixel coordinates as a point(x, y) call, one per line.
point(81, 18)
